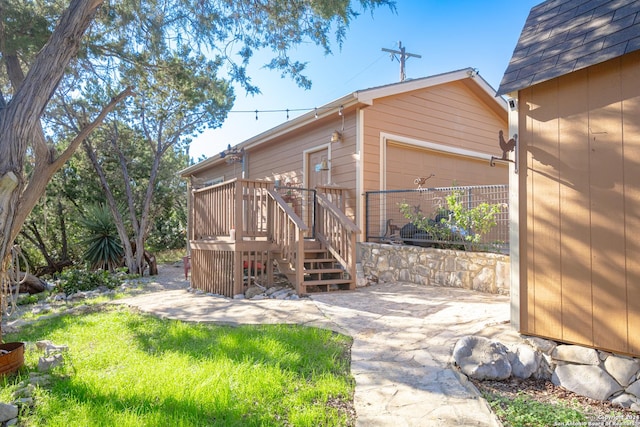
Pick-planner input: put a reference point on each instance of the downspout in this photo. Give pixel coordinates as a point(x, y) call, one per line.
point(514, 213)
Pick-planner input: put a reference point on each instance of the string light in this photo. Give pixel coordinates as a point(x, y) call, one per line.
point(287, 111)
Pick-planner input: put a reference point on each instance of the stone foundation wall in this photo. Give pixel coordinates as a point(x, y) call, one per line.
point(480, 271)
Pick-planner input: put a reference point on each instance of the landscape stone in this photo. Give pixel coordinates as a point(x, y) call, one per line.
point(623, 369)
point(50, 362)
point(541, 344)
point(7, 412)
point(586, 380)
point(576, 354)
point(634, 388)
point(524, 361)
point(252, 291)
point(481, 358)
point(624, 400)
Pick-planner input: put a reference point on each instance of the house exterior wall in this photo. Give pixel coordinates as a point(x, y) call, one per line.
point(580, 207)
point(450, 115)
point(284, 159)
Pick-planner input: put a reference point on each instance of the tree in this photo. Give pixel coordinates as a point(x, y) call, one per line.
point(229, 30)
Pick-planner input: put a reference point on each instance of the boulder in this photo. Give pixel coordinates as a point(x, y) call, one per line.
point(7, 412)
point(576, 354)
point(586, 380)
point(524, 361)
point(481, 358)
point(623, 369)
point(634, 388)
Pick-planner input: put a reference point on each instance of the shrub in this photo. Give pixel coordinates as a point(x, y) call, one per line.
point(74, 280)
point(104, 249)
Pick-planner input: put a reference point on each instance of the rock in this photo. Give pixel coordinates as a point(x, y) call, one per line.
point(238, 296)
point(252, 291)
point(43, 344)
point(481, 358)
point(524, 361)
point(634, 388)
point(624, 400)
point(586, 380)
point(7, 412)
point(50, 362)
point(623, 369)
point(541, 344)
point(272, 290)
point(576, 354)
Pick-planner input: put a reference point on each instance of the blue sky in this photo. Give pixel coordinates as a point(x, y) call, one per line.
point(449, 34)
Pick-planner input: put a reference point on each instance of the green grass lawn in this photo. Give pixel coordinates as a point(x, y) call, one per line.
point(128, 369)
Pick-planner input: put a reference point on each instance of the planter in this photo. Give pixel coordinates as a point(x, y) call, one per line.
point(12, 361)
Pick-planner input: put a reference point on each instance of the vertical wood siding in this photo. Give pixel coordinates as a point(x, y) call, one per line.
point(580, 140)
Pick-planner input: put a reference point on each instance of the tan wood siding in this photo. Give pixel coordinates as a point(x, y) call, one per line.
point(405, 163)
point(580, 145)
point(630, 76)
point(449, 114)
point(284, 158)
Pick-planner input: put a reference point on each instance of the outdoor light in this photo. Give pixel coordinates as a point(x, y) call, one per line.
point(233, 155)
point(336, 136)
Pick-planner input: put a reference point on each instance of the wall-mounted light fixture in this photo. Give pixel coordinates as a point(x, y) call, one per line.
point(232, 155)
point(336, 136)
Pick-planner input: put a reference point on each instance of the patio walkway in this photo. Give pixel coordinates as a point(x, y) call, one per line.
point(403, 336)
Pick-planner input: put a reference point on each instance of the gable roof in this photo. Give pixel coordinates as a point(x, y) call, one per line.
point(562, 36)
point(359, 98)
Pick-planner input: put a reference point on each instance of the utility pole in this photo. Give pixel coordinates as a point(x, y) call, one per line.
point(402, 59)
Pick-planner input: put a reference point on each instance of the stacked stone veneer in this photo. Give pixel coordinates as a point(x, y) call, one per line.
point(596, 374)
point(480, 271)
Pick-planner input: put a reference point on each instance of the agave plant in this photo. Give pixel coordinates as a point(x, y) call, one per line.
point(104, 249)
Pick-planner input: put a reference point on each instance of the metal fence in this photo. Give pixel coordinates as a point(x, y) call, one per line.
point(431, 217)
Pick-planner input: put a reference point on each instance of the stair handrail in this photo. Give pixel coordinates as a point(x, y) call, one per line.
point(338, 233)
point(286, 231)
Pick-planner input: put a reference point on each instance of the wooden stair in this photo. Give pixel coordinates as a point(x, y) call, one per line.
point(322, 272)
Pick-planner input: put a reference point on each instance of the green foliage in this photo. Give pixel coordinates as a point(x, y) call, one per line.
point(104, 249)
point(75, 280)
point(456, 223)
point(478, 220)
point(135, 370)
point(523, 411)
point(436, 230)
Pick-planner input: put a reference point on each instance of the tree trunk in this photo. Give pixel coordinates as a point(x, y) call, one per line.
point(20, 118)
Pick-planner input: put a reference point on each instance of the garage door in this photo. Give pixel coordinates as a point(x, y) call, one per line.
point(406, 162)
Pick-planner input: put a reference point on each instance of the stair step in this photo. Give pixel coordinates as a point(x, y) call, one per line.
point(323, 270)
point(319, 260)
point(326, 282)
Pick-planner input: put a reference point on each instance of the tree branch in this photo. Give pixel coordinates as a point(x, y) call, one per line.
point(45, 170)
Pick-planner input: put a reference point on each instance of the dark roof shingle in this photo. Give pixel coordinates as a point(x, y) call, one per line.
point(562, 36)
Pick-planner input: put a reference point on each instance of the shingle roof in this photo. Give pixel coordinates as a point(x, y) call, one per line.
point(562, 36)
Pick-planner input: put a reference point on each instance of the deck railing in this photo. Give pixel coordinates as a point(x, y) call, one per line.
point(338, 233)
point(236, 226)
point(214, 211)
point(287, 232)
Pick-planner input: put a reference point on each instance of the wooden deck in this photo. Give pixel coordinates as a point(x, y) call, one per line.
point(243, 229)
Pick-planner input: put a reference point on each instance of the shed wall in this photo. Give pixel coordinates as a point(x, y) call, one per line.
point(580, 207)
